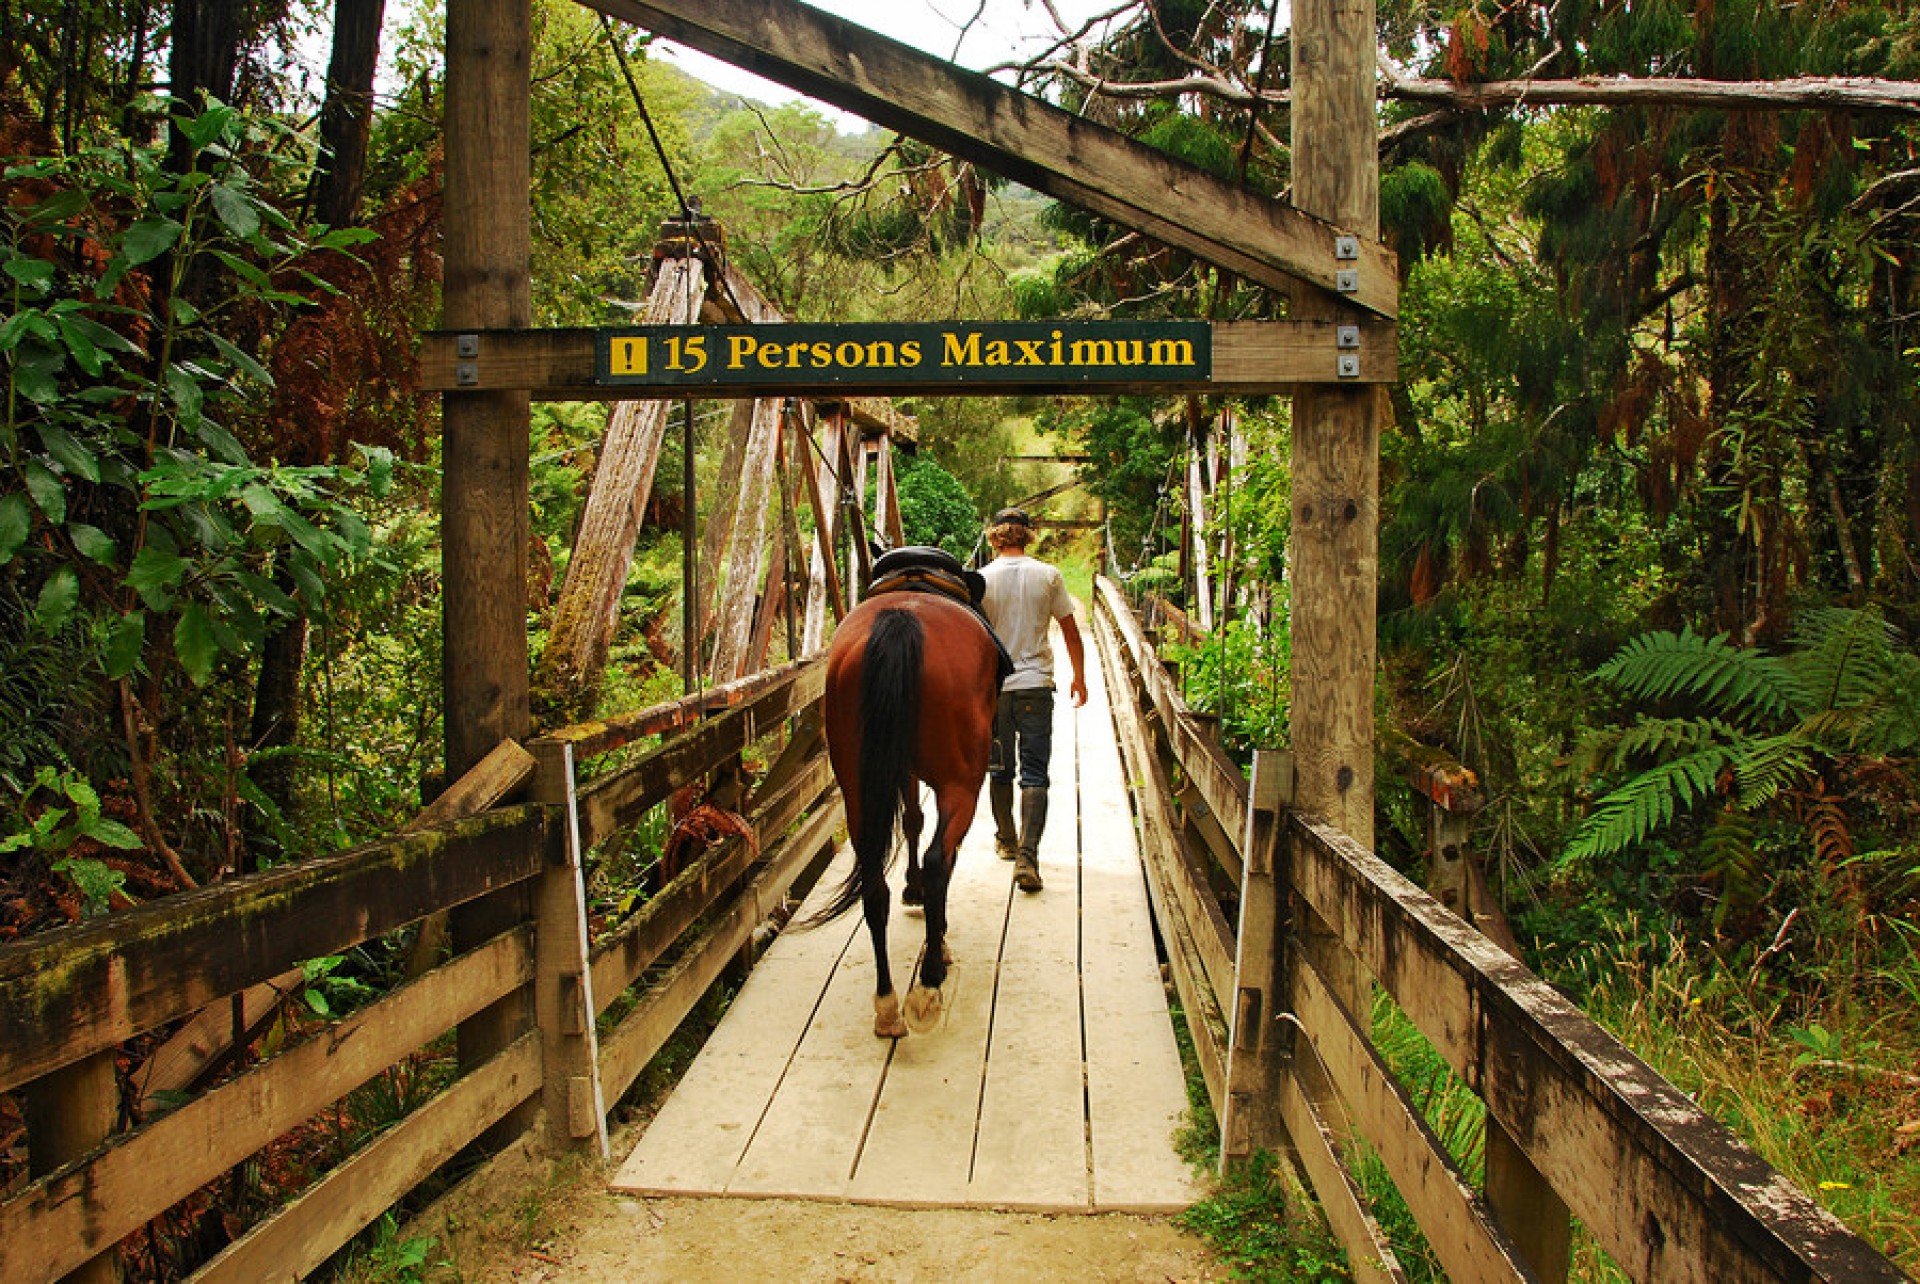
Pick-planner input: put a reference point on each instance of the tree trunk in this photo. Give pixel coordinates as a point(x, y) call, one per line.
point(346, 117)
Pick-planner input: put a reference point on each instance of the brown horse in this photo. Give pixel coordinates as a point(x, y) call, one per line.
point(911, 683)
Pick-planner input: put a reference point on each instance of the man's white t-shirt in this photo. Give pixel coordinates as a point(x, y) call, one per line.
point(1024, 597)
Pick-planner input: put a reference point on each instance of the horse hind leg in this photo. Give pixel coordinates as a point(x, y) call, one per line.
point(926, 998)
point(912, 818)
point(886, 1006)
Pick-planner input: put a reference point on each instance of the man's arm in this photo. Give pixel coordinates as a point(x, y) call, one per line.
point(1076, 655)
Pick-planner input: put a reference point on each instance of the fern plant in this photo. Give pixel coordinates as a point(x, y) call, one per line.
point(1752, 734)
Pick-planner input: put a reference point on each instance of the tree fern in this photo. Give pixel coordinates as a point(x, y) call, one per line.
point(1738, 683)
point(1764, 768)
point(1649, 801)
point(1613, 749)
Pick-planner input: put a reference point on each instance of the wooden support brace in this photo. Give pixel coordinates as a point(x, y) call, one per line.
point(1258, 1046)
point(563, 981)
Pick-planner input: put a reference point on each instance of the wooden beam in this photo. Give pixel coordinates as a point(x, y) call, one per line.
point(737, 593)
point(89, 987)
point(1024, 138)
point(1249, 358)
point(66, 1218)
point(484, 485)
point(588, 608)
point(590, 739)
point(1667, 1191)
point(298, 1239)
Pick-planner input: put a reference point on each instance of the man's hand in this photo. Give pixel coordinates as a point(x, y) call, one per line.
point(1078, 690)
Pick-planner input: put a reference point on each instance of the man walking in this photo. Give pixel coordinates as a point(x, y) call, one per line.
point(1024, 596)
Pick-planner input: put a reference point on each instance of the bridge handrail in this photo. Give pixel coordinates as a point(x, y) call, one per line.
point(1665, 1189)
point(69, 999)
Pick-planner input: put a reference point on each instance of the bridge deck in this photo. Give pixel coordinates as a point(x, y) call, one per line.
point(1053, 1083)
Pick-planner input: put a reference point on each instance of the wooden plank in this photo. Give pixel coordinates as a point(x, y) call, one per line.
point(1201, 1010)
point(1304, 1103)
point(920, 1148)
point(298, 1239)
point(62, 1220)
point(589, 601)
point(564, 1007)
point(1250, 358)
point(590, 739)
point(97, 984)
point(625, 1050)
point(504, 768)
point(1667, 1190)
point(695, 1142)
point(1032, 1151)
point(824, 490)
point(1136, 1086)
point(621, 798)
point(807, 1143)
point(1166, 848)
point(1023, 138)
point(1455, 1222)
point(1257, 1041)
point(197, 1046)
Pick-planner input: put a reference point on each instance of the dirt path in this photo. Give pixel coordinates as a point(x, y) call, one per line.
point(524, 1221)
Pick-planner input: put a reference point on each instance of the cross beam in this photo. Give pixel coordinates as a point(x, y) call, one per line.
point(1031, 141)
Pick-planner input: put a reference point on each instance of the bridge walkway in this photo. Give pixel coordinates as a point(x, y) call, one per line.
point(1053, 1083)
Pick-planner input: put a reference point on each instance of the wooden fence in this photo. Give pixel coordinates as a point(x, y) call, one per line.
point(1278, 997)
point(70, 999)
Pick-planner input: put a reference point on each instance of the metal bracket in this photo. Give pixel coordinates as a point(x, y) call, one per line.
point(1347, 280)
point(1346, 361)
point(466, 370)
point(1346, 247)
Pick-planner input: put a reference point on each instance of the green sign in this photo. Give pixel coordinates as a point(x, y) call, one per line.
point(855, 356)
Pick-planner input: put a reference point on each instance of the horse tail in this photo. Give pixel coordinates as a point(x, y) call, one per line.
point(889, 732)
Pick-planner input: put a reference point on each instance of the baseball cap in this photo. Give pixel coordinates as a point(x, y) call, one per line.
point(1011, 517)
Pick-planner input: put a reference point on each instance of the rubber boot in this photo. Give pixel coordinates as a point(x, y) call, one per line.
point(1005, 841)
point(1033, 820)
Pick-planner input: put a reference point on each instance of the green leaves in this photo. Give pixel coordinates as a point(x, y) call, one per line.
point(149, 238)
point(16, 522)
point(194, 644)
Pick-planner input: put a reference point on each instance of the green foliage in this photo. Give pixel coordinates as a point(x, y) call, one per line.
point(935, 508)
point(1259, 1225)
point(1774, 733)
point(59, 811)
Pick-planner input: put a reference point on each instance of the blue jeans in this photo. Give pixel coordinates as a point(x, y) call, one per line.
point(1023, 734)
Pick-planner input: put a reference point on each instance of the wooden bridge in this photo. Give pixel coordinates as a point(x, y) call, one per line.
point(1280, 928)
point(1052, 1085)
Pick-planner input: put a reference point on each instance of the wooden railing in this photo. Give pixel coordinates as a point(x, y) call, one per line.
point(1279, 1002)
point(70, 999)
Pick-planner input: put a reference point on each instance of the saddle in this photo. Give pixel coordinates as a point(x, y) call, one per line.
point(921, 568)
point(929, 569)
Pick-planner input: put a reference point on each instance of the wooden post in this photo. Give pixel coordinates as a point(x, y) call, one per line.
point(734, 614)
point(69, 1113)
point(890, 495)
point(588, 609)
point(824, 587)
point(575, 1106)
point(1336, 458)
point(1258, 1043)
point(485, 504)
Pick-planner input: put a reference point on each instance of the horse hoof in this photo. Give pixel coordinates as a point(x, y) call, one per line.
point(912, 895)
point(946, 954)
point(886, 1018)
point(923, 1009)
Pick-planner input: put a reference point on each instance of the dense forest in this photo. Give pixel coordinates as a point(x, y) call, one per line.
point(1650, 512)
